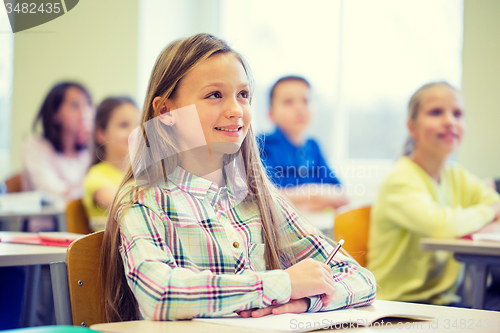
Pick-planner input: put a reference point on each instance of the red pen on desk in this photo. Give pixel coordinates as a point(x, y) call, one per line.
point(335, 250)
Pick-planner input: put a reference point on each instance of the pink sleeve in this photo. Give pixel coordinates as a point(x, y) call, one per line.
point(40, 168)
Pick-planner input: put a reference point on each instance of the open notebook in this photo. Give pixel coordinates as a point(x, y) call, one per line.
point(340, 319)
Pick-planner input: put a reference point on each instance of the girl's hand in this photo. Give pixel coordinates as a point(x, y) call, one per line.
point(310, 278)
point(492, 227)
point(496, 208)
point(84, 136)
point(293, 306)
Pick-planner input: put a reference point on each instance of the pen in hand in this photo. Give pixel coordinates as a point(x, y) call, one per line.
point(335, 250)
point(330, 257)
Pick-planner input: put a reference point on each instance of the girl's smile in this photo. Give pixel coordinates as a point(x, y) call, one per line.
point(448, 136)
point(230, 130)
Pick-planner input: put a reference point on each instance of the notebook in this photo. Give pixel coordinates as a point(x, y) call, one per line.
point(304, 322)
point(63, 239)
point(491, 236)
point(25, 202)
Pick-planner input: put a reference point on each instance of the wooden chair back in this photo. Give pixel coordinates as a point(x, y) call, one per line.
point(76, 218)
point(14, 183)
point(353, 227)
point(82, 261)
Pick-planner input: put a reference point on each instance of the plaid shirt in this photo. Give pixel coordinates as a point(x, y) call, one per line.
point(189, 251)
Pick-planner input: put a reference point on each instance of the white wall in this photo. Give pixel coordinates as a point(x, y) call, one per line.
point(480, 151)
point(95, 43)
point(163, 21)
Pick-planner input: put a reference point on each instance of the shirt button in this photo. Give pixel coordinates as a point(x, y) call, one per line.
point(236, 245)
point(218, 206)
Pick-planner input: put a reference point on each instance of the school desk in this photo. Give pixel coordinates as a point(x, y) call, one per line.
point(447, 319)
point(52, 329)
point(56, 210)
point(31, 256)
point(478, 254)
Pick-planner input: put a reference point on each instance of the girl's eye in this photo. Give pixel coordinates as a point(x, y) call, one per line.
point(457, 113)
point(215, 94)
point(123, 124)
point(244, 94)
point(435, 112)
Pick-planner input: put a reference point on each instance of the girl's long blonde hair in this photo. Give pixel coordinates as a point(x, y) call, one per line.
point(173, 63)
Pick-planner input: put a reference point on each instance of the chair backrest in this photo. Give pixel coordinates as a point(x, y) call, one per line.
point(82, 261)
point(14, 183)
point(76, 218)
point(353, 226)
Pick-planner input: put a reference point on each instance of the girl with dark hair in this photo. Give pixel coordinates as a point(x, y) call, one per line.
point(57, 161)
point(115, 119)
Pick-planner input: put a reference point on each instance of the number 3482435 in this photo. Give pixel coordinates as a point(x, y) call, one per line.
point(33, 8)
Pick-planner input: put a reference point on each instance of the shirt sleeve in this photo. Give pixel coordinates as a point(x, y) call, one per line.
point(38, 163)
point(354, 285)
point(166, 291)
point(267, 153)
point(330, 178)
point(410, 205)
point(95, 179)
point(476, 192)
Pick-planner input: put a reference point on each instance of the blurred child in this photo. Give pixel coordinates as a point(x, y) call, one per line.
point(293, 161)
point(426, 196)
point(57, 161)
point(115, 119)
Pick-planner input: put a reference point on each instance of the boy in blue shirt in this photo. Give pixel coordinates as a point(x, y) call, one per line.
point(294, 162)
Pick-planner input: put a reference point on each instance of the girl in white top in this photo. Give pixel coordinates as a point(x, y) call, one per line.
point(57, 162)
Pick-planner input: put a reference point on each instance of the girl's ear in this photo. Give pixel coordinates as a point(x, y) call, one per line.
point(411, 128)
point(100, 136)
point(271, 114)
point(57, 118)
point(163, 111)
point(156, 106)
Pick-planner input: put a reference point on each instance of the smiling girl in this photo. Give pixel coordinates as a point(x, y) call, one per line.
point(425, 196)
point(197, 229)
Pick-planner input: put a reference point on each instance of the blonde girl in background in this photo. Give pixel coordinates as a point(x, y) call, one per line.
point(427, 196)
point(181, 241)
point(115, 119)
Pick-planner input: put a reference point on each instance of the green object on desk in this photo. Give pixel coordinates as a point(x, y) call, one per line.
point(52, 329)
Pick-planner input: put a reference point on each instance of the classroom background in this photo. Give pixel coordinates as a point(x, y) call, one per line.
point(363, 58)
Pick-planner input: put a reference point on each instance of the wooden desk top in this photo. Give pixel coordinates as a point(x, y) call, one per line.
point(25, 255)
point(448, 319)
point(486, 248)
